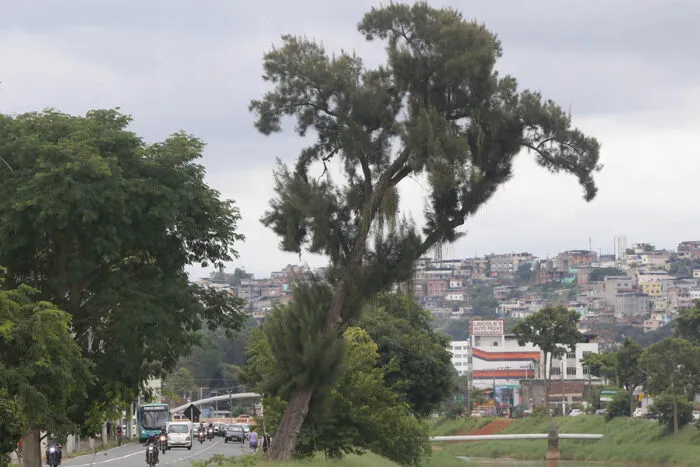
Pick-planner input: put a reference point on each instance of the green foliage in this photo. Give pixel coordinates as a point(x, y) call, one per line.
point(663, 409)
point(483, 303)
point(524, 273)
point(423, 372)
point(303, 356)
point(673, 368)
point(629, 371)
point(457, 329)
point(108, 224)
point(602, 365)
point(436, 108)
point(687, 324)
point(554, 330)
point(360, 412)
point(12, 424)
point(619, 406)
point(598, 274)
point(41, 367)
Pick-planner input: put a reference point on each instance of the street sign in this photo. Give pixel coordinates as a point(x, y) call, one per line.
point(193, 413)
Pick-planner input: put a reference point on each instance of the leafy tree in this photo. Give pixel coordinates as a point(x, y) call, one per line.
point(687, 324)
point(598, 274)
point(403, 332)
point(12, 424)
point(437, 108)
point(483, 303)
point(619, 406)
point(629, 372)
point(360, 412)
point(457, 329)
point(554, 331)
point(108, 225)
point(673, 368)
point(41, 369)
point(524, 273)
point(602, 366)
point(181, 382)
point(663, 408)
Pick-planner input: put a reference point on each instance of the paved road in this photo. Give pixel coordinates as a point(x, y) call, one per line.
point(134, 455)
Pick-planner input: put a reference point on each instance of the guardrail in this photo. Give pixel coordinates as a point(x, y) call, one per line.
point(517, 436)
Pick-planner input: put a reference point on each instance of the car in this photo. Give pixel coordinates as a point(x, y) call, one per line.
point(235, 433)
point(179, 435)
point(221, 429)
point(575, 412)
point(601, 412)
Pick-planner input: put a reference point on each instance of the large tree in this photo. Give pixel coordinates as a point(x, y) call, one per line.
point(554, 330)
point(437, 109)
point(423, 368)
point(629, 371)
point(673, 368)
point(103, 224)
point(687, 324)
point(41, 371)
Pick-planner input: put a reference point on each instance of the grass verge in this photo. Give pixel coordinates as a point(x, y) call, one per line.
point(624, 440)
point(438, 459)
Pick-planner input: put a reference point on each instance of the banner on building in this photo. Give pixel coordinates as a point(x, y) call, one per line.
point(486, 327)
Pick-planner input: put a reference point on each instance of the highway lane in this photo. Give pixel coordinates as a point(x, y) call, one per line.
point(134, 455)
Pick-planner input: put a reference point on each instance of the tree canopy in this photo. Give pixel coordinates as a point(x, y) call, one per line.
point(103, 224)
point(673, 368)
point(553, 329)
point(422, 365)
point(360, 412)
point(436, 108)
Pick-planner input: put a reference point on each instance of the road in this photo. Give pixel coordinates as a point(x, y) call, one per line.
point(134, 455)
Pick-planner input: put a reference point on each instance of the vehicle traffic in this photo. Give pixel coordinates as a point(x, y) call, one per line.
point(150, 419)
point(180, 435)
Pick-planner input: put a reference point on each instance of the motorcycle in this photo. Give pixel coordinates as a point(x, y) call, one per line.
point(52, 456)
point(210, 434)
point(163, 443)
point(119, 439)
point(151, 454)
point(201, 437)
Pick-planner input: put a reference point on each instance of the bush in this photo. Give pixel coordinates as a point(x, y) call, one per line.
point(619, 406)
point(663, 409)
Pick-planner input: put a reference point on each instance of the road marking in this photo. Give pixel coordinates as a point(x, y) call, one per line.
point(105, 461)
point(191, 455)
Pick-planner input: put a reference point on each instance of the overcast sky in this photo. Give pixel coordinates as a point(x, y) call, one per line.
point(628, 69)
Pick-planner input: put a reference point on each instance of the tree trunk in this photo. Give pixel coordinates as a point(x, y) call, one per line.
point(547, 376)
point(632, 403)
point(290, 426)
point(675, 415)
point(31, 448)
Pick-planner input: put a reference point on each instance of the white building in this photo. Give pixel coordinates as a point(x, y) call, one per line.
point(494, 360)
point(461, 356)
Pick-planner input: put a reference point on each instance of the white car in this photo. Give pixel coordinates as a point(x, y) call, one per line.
point(180, 435)
point(576, 412)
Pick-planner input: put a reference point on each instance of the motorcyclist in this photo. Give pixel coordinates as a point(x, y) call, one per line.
point(58, 447)
point(152, 439)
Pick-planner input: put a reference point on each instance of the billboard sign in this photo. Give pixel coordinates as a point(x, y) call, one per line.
point(486, 327)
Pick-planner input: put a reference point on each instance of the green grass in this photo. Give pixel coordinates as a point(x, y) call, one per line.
point(624, 440)
point(448, 427)
point(438, 459)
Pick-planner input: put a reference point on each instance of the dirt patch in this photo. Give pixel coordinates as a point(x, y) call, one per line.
point(492, 428)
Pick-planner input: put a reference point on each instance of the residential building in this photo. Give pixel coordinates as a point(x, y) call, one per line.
point(461, 356)
point(632, 305)
point(689, 250)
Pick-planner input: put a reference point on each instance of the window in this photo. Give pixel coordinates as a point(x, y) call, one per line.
point(586, 353)
point(571, 355)
point(494, 343)
point(178, 429)
point(571, 370)
point(469, 360)
point(556, 370)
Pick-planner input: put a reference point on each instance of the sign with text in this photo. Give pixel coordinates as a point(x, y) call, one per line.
point(486, 327)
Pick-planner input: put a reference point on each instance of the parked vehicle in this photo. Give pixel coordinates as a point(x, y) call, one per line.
point(575, 412)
